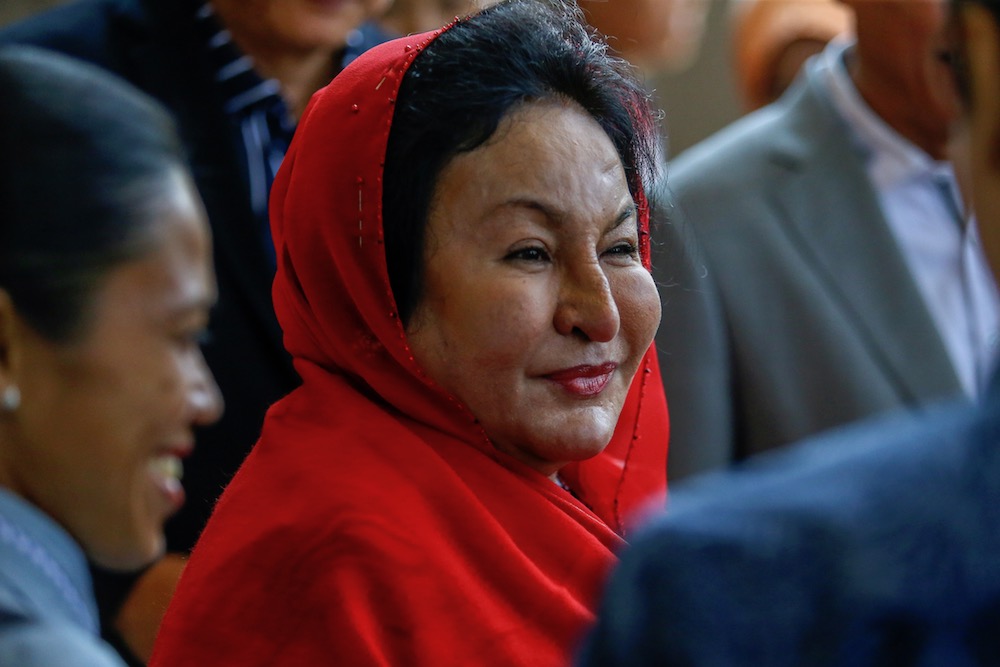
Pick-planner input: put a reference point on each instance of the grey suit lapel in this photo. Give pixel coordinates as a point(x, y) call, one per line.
point(857, 258)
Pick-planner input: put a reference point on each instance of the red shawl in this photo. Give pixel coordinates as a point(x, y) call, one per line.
point(374, 523)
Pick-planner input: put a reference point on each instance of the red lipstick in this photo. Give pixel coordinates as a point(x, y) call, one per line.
point(586, 380)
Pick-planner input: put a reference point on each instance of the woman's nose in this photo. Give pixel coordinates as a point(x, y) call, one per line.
point(586, 306)
point(204, 397)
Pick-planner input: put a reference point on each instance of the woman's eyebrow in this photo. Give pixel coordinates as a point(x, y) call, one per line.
point(557, 217)
point(628, 211)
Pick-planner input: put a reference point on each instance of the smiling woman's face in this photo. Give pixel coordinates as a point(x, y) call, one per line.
point(536, 309)
point(106, 417)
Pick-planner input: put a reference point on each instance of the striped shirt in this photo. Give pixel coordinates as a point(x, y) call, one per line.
point(255, 106)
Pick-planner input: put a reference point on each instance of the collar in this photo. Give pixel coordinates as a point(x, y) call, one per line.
point(31, 541)
point(892, 159)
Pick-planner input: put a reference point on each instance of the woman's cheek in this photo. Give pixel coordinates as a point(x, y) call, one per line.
point(639, 309)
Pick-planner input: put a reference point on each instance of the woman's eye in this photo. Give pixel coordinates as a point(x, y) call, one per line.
point(625, 248)
point(533, 254)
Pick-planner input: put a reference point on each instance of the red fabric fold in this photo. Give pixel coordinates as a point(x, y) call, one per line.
point(374, 523)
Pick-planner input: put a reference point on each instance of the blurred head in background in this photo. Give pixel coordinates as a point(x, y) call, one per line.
point(771, 39)
point(654, 35)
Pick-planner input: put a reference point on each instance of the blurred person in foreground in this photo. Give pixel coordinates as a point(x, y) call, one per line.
point(843, 275)
point(772, 39)
point(235, 75)
point(466, 278)
point(105, 287)
point(873, 545)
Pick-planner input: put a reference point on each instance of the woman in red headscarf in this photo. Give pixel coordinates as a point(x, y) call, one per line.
point(463, 283)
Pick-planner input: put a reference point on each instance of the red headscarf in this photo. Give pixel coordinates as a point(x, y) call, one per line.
point(374, 523)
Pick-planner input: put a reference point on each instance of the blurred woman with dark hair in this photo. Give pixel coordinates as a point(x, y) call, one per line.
point(105, 285)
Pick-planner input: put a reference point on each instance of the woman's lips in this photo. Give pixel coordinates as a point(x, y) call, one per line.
point(585, 380)
point(166, 471)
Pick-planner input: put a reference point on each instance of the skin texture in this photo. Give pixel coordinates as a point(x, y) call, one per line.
point(294, 41)
point(532, 267)
point(981, 125)
point(128, 390)
point(899, 69)
point(651, 34)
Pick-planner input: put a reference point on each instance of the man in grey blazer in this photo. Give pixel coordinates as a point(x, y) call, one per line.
point(834, 273)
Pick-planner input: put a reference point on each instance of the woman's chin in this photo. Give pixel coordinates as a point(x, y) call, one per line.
point(129, 558)
point(570, 447)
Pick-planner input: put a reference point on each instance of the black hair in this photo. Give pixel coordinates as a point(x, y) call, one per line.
point(84, 161)
point(457, 91)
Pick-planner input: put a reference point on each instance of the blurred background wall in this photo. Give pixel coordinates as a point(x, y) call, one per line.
point(701, 99)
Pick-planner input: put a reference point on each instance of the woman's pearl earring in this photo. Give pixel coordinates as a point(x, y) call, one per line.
point(10, 400)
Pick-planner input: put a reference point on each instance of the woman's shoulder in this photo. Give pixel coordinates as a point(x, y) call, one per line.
point(28, 642)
